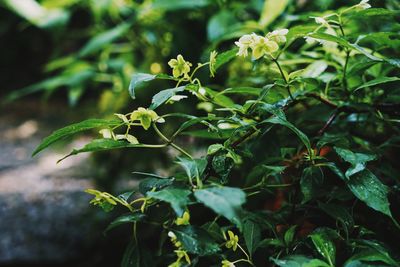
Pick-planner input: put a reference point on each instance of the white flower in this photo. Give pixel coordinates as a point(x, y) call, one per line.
point(263, 46)
point(322, 21)
point(202, 91)
point(176, 98)
point(244, 44)
point(106, 133)
point(363, 5)
point(278, 36)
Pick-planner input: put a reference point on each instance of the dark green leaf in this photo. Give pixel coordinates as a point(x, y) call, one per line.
point(252, 235)
point(299, 261)
point(323, 243)
point(176, 197)
point(369, 189)
point(300, 134)
point(225, 201)
point(194, 168)
point(310, 183)
point(156, 184)
point(357, 160)
point(124, 219)
point(196, 240)
point(136, 257)
point(377, 81)
point(73, 129)
point(101, 145)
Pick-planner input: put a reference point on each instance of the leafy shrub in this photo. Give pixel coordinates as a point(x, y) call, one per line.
point(300, 165)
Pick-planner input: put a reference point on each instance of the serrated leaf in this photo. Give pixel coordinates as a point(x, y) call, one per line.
point(196, 240)
point(377, 81)
point(225, 201)
point(124, 219)
point(369, 189)
point(162, 96)
point(73, 129)
point(176, 197)
point(99, 41)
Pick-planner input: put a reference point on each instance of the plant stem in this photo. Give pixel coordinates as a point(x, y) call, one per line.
point(284, 78)
point(169, 142)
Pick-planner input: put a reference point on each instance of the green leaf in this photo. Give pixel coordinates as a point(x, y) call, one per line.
point(299, 261)
point(136, 257)
point(282, 121)
point(271, 10)
point(357, 160)
point(289, 235)
point(36, 14)
point(225, 201)
point(370, 255)
point(102, 144)
point(124, 219)
point(171, 5)
point(139, 78)
point(49, 85)
point(99, 41)
point(156, 184)
point(324, 244)
point(220, 24)
point(377, 81)
point(338, 212)
point(369, 189)
point(73, 129)
point(315, 69)
point(162, 96)
point(194, 168)
point(252, 235)
point(196, 240)
point(310, 183)
point(225, 57)
point(176, 197)
point(242, 91)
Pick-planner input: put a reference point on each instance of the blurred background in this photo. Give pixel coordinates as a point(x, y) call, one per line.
point(62, 61)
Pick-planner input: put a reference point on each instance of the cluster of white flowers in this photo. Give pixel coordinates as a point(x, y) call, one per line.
point(261, 45)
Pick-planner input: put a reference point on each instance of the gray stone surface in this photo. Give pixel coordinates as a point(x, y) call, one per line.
point(44, 213)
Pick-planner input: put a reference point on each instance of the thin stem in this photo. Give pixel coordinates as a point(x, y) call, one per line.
point(328, 123)
point(284, 78)
point(244, 260)
point(244, 252)
point(169, 142)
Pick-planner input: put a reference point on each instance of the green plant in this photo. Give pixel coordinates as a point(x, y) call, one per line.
point(301, 151)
